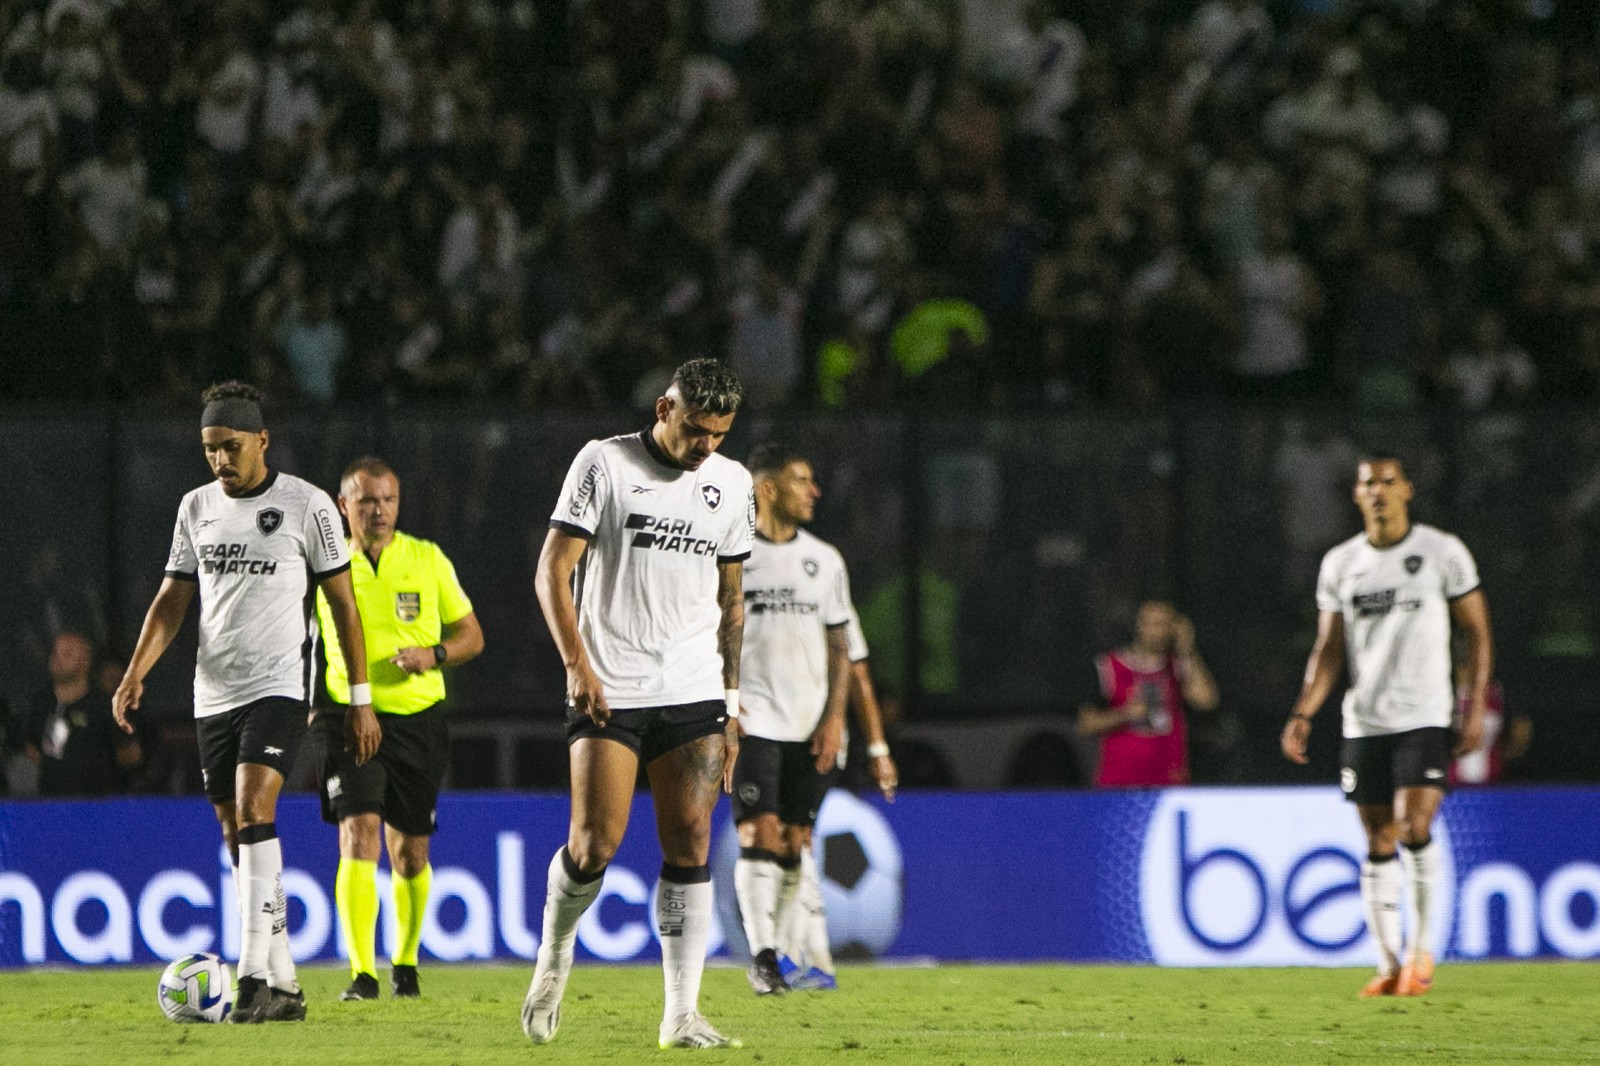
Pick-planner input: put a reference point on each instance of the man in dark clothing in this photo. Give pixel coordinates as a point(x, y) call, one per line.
point(70, 733)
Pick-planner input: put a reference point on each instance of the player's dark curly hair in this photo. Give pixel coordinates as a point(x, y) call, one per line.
point(769, 458)
point(709, 385)
point(231, 390)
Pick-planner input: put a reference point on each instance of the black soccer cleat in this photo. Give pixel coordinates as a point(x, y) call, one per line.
point(365, 986)
point(250, 1002)
point(402, 982)
point(764, 975)
point(285, 1007)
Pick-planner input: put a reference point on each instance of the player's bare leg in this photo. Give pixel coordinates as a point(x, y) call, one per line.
point(603, 773)
point(761, 877)
point(685, 784)
point(1415, 809)
point(1380, 894)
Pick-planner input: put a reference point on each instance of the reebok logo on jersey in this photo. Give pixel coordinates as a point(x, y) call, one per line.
point(268, 521)
point(272, 751)
point(642, 490)
point(1433, 773)
point(203, 523)
point(231, 559)
point(668, 535)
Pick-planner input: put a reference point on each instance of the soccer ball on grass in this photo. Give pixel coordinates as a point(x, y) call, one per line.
point(196, 988)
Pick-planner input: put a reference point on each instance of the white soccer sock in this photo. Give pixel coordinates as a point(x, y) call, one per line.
point(1380, 903)
point(280, 960)
point(565, 900)
point(788, 918)
point(260, 867)
point(1421, 867)
point(757, 878)
point(814, 914)
point(683, 918)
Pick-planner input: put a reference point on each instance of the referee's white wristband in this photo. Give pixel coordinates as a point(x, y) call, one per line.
point(880, 750)
point(361, 695)
point(730, 697)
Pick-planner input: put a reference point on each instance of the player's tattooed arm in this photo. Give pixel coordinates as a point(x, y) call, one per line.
point(730, 633)
point(730, 643)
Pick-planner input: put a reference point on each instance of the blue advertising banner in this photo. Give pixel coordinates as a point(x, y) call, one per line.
point(1181, 877)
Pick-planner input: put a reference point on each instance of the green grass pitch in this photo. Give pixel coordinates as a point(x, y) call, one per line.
point(1486, 1013)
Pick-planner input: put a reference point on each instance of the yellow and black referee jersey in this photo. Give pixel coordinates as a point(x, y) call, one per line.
point(406, 600)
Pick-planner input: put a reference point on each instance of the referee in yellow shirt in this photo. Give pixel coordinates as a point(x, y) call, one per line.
point(416, 619)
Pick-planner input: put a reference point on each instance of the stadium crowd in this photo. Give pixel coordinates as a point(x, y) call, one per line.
point(1080, 204)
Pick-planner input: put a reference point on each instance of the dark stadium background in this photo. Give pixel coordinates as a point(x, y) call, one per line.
point(502, 222)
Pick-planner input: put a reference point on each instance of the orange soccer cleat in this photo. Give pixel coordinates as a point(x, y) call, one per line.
point(1416, 976)
point(1381, 985)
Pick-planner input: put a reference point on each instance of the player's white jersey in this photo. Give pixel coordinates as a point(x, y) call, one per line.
point(1396, 607)
point(793, 593)
point(646, 590)
point(255, 558)
point(858, 639)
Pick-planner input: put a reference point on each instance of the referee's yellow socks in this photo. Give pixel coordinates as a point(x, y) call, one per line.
point(355, 893)
point(410, 904)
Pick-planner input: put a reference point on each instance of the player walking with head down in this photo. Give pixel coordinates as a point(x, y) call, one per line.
point(252, 542)
point(640, 583)
point(1386, 600)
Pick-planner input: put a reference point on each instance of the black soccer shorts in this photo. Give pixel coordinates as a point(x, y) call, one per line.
point(265, 731)
point(1371, 769)
point(779, 777)
point(400, 783)
point(652, 731)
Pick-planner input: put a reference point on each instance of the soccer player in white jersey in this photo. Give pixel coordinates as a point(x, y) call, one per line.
point(251, 543)
point(640, 582)
point(796, 677)
point(1386, 601)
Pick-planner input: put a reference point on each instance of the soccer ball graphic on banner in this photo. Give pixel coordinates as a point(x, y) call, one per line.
point(196, 988)
point(859, 860)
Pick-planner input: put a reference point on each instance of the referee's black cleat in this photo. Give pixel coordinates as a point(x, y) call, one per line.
point(365, 986)
point(402, 982)
point(764, 975)
point(250, 1002)
point(285, 1006)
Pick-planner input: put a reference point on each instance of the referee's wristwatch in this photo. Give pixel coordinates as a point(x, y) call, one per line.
point(439, 654)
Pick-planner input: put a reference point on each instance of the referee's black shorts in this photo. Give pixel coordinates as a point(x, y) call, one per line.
point(265, 731)
point(400, 783)
point(1372, 769)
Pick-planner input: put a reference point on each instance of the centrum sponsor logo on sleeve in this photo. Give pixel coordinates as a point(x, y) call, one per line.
point(330, 539)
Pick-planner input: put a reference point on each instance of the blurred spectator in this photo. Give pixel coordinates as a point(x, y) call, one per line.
point(1279, 295)
point(107, 194)
point(764, 339)
point(1487, 371)
point(314, 344)
point(70, 734)
point(1144, 693)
